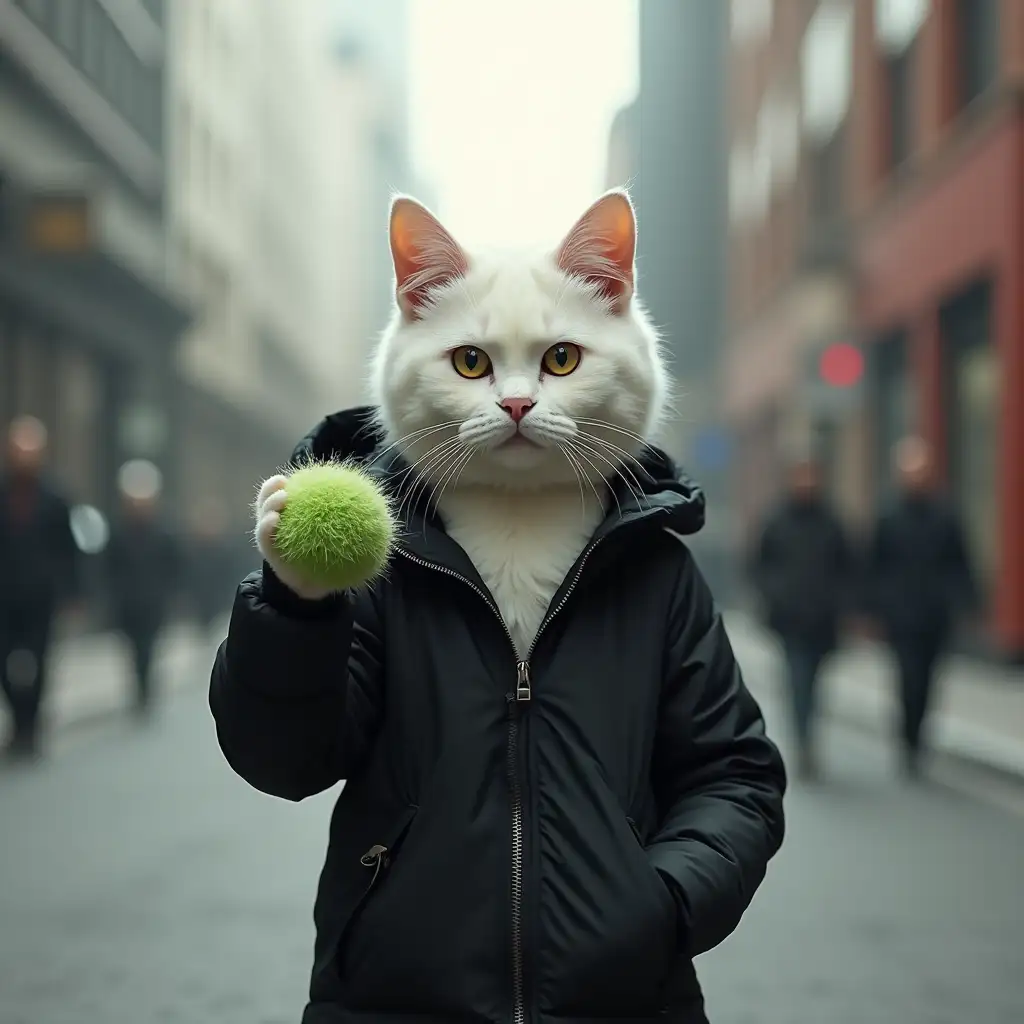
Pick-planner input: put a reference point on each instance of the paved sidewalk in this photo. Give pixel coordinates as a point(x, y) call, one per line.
point(91, 675)
point(979, 712)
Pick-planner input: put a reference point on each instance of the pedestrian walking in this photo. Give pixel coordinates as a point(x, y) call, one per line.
point(803, 569)
point(143, 571)
point(920, 583)
point(40, 564)
point(213, 567)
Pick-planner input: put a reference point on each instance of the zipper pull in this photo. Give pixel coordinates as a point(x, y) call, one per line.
point(376, 857)
point(373, 856)
point(523, 681)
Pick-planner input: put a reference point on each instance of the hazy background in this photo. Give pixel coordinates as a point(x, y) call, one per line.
point(194, 268)
point(194, 264)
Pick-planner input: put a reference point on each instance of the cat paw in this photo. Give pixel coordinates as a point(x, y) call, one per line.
point(267, 509)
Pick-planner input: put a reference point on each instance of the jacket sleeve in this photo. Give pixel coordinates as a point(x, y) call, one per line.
point(296, 687)
point(718, 780)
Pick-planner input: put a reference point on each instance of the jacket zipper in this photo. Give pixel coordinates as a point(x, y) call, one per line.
point(523, 693)
point(377, 857)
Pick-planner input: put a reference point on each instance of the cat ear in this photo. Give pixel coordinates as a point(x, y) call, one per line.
point(601, 248)
point(424, 254)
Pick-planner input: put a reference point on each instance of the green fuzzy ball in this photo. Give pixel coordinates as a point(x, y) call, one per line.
point(336, 529)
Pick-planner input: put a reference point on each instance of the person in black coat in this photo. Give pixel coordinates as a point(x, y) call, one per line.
point(142, 571)
point(40, 564)
point(920, 581)
point(213, 565)
point(803, 569)
point(550, 835)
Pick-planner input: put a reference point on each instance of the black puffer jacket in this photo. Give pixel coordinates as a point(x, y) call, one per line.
point(804, 569)
point(42, 563)
point(546, 841)
point(919, 572)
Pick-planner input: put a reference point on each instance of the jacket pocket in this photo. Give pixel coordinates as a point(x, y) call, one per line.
point(661, 889)
point(661, 892)
point(376, 862)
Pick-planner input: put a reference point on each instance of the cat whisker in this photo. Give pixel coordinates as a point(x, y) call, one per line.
point(605, 425)
point(611, 446)
point(622, 468)
point(413, 436)
point(438, 449)
point(472, 452)
point(573, 446)
point(452, 477)
point(456, 464)
point(581, 454)
point(619, 470)
point(439, 452)
point(580, 475)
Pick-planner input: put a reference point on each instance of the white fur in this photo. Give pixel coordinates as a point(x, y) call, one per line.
point(523, 513)
point(523, 545)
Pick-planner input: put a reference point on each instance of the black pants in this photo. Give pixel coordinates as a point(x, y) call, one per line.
point(142, 638)
point(916, 656)
point(803, 662)
point(24, 643)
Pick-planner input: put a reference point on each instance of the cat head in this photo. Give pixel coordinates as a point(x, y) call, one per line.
point(518, 370)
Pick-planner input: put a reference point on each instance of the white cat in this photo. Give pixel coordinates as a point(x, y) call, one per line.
point(517, 384)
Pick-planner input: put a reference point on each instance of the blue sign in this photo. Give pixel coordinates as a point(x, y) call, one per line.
point(712, 449)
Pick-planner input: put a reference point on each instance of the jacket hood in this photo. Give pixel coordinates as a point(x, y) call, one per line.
point(355, 435)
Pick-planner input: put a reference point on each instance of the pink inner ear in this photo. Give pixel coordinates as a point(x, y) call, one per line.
point(601, 249)
point(425, 255)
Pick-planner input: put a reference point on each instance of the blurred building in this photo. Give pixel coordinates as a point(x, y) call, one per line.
point(372, 162)
point(669, 147)
point(87, 323)
point(246, 240)
point(623, 143)
point(373, 47)
point(277, 228)
point(876, 256)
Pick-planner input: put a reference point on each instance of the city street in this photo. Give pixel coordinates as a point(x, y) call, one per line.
point(141, 881)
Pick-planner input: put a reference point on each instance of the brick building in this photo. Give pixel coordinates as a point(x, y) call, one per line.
point(877, 199)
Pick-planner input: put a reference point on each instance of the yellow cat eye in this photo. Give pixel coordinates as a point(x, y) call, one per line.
point(562, 359)
point(471, 362)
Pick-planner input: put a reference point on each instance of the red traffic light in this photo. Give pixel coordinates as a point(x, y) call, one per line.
point(841, 365)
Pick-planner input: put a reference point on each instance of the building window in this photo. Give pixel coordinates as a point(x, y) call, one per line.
point(66, 32)
point(92, 26)
point(897, 25)
point(111, 60)
point(204, 159)
point(972, 389)
point(893, 403)
point(977, 40)
point(182, 144)
point(150, 114)
point(38, 10)
point(826, 170)
point(826, 70)
point(897, 22)
point(899, 76)
point(750, 21)
point(155, 9)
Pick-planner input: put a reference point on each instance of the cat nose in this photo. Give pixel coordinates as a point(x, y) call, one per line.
point(517, 408)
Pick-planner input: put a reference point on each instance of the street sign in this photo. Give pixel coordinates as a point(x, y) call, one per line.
point(712, 449)
point(841, 365)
